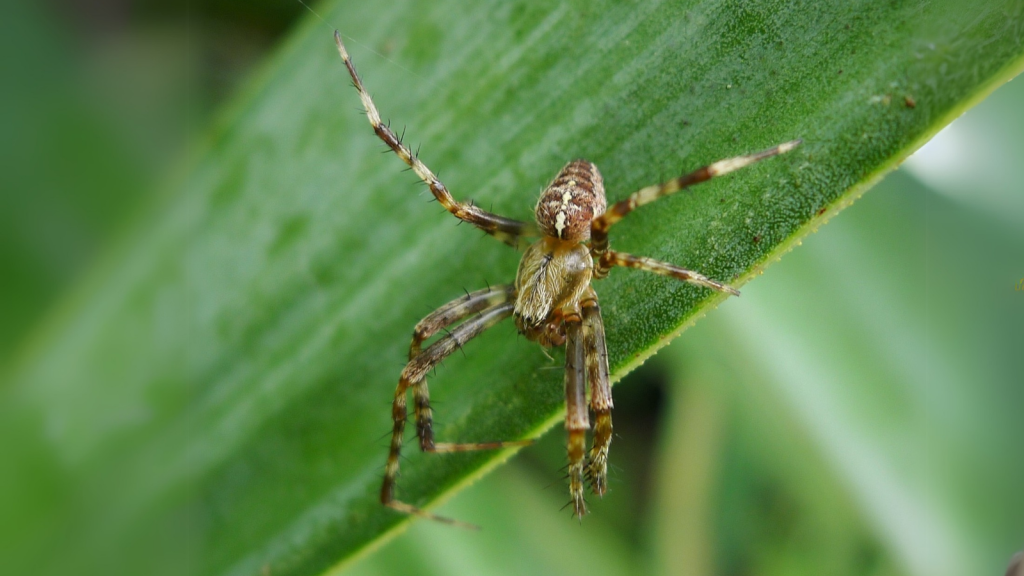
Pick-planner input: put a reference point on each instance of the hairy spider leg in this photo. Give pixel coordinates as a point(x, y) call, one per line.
point(600, 392)
point(414, 376)
point(457, 310)
point(505, 229)
point(577, 420)
point(616, 212)
point(612, 258)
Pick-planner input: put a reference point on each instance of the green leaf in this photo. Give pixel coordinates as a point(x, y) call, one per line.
point(881, 409)
point(210, 400)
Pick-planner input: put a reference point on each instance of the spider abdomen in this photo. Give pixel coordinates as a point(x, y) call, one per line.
point(573, 199)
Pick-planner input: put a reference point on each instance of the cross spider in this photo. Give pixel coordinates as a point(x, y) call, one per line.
point(552, 301)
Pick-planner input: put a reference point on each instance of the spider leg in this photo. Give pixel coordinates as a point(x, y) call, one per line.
point(456, 310)
point(414, 376)
point(612, 258)
point(505, 229)
point(576, 417)
point(616, 212)
point(600, 392)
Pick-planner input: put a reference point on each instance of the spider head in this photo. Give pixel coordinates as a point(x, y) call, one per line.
point(573, 199)
point(549, 334)
point(552, 335)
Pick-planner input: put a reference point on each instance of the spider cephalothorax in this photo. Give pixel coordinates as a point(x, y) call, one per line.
point(552, 301)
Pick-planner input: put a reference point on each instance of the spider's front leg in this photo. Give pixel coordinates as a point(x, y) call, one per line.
point(577, 421)
point(505, 229)
point(490, 307)
point(456, 310)
point(600, 392)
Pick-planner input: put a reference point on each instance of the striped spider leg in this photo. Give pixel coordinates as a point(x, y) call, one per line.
point(604, 260)
point(552, 302)
point(489, 306)
point(477, 311)
point(505, 229)
point(599, 227)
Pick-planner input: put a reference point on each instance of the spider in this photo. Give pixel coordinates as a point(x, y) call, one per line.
point(551, 300)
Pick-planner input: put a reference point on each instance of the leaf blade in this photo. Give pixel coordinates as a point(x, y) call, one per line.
point(266, 312)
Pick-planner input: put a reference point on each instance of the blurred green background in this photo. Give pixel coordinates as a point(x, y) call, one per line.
point(858, 411)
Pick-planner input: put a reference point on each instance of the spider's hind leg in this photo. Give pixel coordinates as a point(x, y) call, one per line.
point(616, 212)
point(507, 230)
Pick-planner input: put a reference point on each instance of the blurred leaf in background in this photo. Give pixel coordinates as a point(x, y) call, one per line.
point(856, 412)
point(100, 101)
